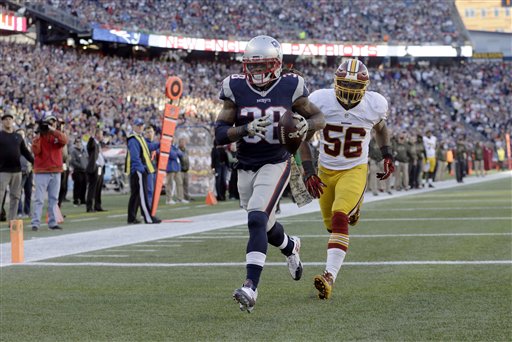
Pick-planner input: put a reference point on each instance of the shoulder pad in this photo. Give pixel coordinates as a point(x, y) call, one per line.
point(378, 103)
point(225, 91)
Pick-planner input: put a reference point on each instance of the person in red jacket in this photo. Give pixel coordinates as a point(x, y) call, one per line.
point(47, 147)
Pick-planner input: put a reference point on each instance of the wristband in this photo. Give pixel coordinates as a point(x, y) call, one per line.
point(309, 168)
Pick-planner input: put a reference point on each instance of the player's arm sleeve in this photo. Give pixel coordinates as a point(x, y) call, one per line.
point(225, 133)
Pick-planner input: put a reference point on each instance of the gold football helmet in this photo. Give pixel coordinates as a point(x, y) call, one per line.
point(350, 82)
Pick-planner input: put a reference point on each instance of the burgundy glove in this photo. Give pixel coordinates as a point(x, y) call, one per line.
point(389, 166)
point(313, 182)
point(314, 186)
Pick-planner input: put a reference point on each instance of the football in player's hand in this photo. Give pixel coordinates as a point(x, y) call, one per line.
point(289, 134)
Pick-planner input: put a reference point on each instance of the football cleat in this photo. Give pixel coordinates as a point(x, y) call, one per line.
point(293, 261)
point(352, 220)
point(246, 296)
point(324, 283)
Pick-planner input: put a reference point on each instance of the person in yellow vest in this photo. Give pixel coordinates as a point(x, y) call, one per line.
point(500, 151)
point(138, 165)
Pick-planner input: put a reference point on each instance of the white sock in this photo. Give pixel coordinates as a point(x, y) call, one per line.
point(335, 257)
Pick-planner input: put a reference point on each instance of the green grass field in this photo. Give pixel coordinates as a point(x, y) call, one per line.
point(433, 266)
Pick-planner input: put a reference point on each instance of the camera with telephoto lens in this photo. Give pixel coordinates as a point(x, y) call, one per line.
point(42, 126)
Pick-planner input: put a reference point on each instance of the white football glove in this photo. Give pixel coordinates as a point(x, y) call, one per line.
point(302, 125)
point(258, 126)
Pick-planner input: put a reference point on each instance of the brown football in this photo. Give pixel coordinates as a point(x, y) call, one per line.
point(288, 134)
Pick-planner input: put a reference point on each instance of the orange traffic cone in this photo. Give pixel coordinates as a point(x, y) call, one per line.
point(210, 198)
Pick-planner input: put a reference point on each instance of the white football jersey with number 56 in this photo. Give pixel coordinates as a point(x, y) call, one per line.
point(344, 140)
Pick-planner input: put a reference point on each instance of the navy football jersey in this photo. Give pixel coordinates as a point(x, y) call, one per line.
point(253, 152)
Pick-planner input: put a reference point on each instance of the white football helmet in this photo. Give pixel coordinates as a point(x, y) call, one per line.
point(262, 60)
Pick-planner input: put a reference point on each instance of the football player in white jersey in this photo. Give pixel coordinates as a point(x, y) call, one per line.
point(351, 113)
point(430, 143)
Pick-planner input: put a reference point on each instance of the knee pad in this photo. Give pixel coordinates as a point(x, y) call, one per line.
point(276, 235)
point(339, 223)
point(257, 224)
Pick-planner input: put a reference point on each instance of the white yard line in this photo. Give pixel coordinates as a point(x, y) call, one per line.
point(128, 250)
point(438, 208)
point(100, 256)
point(238, 264)
point(326, 235)
point(84, 219)
point(77, 243)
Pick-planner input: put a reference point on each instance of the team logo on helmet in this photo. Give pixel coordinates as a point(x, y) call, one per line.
point(262, 60)
point(350, 82)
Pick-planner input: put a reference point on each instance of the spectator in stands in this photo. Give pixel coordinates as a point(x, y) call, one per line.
point(12, 147)
point(78, 162)
point(27, 180)
point(47, 147)
point(174, 182)
point(95, 171)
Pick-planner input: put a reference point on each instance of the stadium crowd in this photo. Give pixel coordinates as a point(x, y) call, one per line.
point(349, 20)
point(86, 89)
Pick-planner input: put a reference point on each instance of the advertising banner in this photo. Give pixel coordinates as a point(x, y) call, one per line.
point(120, 36)
point(313, 49)
point(10, 22)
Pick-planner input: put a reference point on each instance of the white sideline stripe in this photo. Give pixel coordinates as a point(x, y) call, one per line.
point(94, 240)
point(239, 264)
point(118, 215)
point(326, 235)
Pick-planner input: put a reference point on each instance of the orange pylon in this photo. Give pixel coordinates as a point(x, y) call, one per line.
point(210, 198)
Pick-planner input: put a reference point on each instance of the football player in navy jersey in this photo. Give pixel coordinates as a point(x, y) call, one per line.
point(253, 104)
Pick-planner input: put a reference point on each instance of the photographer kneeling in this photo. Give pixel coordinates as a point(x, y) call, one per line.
point(47, 147)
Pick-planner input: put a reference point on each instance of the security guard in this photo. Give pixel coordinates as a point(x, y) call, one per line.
point(138, 165)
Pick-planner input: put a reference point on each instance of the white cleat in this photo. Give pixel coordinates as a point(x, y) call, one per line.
point(293, 261)
point(246, 297)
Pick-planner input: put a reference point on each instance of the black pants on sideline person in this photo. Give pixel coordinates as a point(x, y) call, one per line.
point(138, 198)
point(94, 187)
point(79, 187)
point(64, 176)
